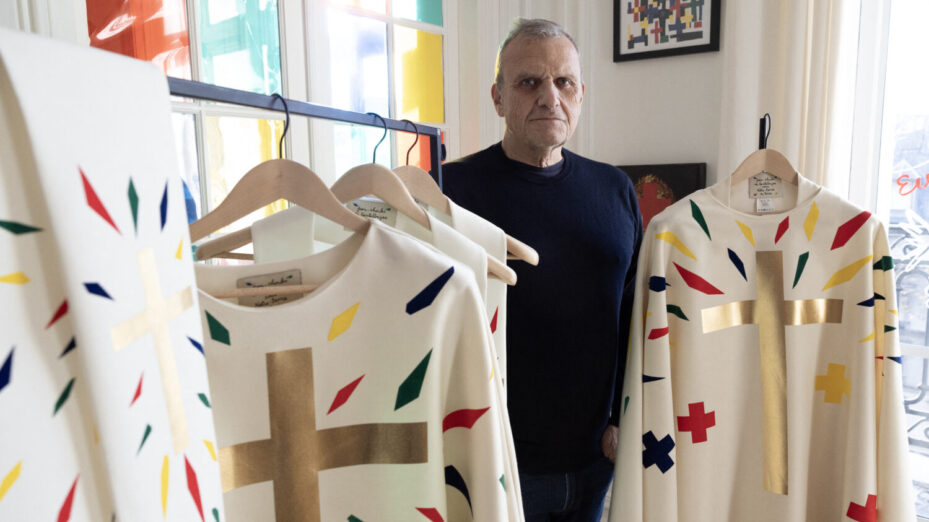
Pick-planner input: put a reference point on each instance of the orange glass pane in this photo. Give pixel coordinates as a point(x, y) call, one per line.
point(151, 30)
point(374, 6)
point(419, 81)
point(419, 155)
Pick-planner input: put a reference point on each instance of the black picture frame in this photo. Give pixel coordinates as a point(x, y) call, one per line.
point(659, 186)
point(676, 36)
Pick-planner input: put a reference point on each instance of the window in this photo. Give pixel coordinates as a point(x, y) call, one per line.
point(904, 191)
point(383, 56)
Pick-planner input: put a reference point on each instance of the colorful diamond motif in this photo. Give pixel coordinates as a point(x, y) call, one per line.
point(410, 388)
point(427, 295)
point(343, 395)
point(463, 418)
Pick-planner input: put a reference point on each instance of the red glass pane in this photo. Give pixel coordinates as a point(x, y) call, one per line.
point(151, 30)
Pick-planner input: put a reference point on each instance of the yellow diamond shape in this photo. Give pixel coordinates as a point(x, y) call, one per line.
point(343, 321)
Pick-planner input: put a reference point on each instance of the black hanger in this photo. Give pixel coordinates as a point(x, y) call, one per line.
point(409, 150)
point(280, 145)
point(374, 154)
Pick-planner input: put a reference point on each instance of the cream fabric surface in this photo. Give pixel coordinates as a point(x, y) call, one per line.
point(393, 318)
point(101, 371)
point(692, 435)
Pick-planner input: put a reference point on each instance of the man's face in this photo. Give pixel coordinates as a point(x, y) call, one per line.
point(540, 93)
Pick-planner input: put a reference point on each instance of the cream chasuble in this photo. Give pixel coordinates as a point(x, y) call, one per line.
point(104, 401)
point(764, 373)
point(369, 397)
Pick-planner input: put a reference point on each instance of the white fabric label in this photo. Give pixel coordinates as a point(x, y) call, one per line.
point(374, 209)
point(285, 278)
point(764, 185)
point(764, 205)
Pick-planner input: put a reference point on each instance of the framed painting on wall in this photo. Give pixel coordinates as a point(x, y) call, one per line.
point(658, 186)
point(656, 28)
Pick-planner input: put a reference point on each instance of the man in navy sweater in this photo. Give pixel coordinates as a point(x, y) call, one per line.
point(568, 318)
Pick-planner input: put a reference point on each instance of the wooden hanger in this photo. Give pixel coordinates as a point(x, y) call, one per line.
point(375, 180)
point(768, 161)
point(424, 188)
point(764, 159)
point(264, 184)
point(223, 246)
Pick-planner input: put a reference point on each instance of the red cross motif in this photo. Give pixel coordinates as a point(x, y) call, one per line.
point(656, 31)
point(865, 513)
point(697, 422)
point(650, 204)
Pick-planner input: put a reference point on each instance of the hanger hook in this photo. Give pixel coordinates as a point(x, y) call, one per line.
point(764, 131)
point(409, 150)
point(374, 154)
point(280, 145)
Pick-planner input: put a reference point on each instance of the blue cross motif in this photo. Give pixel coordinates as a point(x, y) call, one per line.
point(657, 452)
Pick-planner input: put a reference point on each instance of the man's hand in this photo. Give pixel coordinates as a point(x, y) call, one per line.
point(609, 441)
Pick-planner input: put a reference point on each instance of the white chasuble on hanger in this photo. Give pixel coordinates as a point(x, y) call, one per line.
point(764, 373)
point(103, 391)
point(367, 399)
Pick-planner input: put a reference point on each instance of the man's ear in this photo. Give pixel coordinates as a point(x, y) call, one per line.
point(498, 99)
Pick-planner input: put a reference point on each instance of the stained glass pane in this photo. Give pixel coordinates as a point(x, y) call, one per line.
point(358, 63)
point(419, 155)
point(233, 146)
point(374, 6)
point(419, 83)
point(152, 30)
point(429, 11)
point(185, 143)
point(240, 44)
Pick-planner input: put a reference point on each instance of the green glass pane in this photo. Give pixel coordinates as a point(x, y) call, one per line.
point(357, 63)
point(240, 44)
point(429, 11)
point(233, 146)
point(418, 81)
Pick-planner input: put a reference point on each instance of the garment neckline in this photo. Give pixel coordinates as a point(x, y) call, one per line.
point(807, 191)
point(532, 173)
point(357, 246)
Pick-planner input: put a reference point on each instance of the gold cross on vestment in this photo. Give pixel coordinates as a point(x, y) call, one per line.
point(154, 319)
point(772, 314)
point(297, 451)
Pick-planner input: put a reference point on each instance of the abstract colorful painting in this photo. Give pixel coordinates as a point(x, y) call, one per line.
point(655, 28)
point(658, 186)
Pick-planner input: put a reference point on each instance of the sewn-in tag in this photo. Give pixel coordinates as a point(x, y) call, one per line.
point(285, 278)
point(764, 185)
point(764, 205)
point(375, 209)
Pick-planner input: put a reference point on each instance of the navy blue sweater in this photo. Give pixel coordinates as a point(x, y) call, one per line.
point(568, 317)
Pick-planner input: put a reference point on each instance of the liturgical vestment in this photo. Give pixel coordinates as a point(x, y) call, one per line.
point(367, 399)
point(764, 373)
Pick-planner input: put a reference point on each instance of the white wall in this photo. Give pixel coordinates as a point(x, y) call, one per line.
point(660, 110)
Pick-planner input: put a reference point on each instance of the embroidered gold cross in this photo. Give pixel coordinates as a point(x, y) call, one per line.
point(154, 319)
point(772, 314)
point(297, 451)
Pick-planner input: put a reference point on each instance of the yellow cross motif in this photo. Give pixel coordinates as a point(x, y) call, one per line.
point(771, 312)
point(834, 383)
point(296, 452)
point(154, 320)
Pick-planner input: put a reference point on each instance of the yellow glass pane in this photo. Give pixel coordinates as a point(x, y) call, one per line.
point(233, 146)
point(419, 84)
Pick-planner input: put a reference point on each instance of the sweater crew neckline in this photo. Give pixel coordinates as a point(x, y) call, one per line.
point(539, 175)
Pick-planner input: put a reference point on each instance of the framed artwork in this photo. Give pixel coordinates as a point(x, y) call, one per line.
point(658, 186)
point(656, 28)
